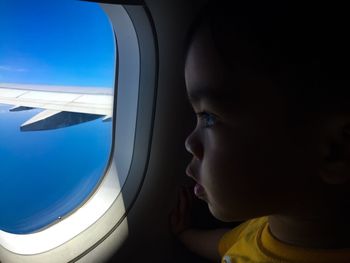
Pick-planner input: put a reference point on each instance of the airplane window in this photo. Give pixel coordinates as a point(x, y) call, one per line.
point(57, 73)
point(77, 97)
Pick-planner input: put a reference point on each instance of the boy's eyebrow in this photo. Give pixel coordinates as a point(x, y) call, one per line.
point(211, 94)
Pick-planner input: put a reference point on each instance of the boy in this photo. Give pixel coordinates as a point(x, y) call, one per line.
point(272, 142)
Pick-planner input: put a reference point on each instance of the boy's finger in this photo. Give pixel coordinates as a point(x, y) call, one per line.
point(183, 202)
point(189, 196)
point(175, 219)
point(178, 200)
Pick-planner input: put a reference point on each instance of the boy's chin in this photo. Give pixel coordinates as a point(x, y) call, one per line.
point(220, 215)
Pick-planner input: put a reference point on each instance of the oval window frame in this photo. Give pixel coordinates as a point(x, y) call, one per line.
point(75, 232)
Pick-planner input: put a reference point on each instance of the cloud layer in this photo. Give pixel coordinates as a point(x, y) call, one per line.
point(12, 69)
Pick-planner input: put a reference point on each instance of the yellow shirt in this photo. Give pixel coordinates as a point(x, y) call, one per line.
point(252, 242)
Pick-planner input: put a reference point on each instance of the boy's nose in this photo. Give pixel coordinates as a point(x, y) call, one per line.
point(193, 145)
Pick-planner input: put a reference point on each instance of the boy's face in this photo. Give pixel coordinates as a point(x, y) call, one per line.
point(247, 160)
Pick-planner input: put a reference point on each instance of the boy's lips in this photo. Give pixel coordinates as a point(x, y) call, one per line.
point(198, 189)
point(190, 173)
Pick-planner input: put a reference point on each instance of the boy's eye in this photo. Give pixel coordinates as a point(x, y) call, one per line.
point(206, 119)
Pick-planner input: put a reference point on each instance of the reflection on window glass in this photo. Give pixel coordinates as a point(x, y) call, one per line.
point(57, 64)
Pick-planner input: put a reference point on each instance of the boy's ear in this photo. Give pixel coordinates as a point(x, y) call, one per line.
point(335, 167)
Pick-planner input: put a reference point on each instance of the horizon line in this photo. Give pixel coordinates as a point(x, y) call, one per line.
point(59, 88)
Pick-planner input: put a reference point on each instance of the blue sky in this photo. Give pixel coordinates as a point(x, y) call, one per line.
point(65, 42)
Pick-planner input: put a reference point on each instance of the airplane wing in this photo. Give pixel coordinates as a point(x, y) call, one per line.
point(62, 106)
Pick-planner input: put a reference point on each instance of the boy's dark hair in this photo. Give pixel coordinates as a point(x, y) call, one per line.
point(304, 47)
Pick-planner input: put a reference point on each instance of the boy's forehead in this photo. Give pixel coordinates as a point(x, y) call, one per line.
point(206, 75)
point(217, 93)
point(209, 77)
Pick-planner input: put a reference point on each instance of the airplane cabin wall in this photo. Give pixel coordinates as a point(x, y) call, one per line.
point(149, 237)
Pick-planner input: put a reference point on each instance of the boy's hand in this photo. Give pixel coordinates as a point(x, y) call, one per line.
point(200, 241)
point(180, 217)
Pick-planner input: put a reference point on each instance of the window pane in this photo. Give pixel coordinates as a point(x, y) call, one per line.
point(57, 64)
